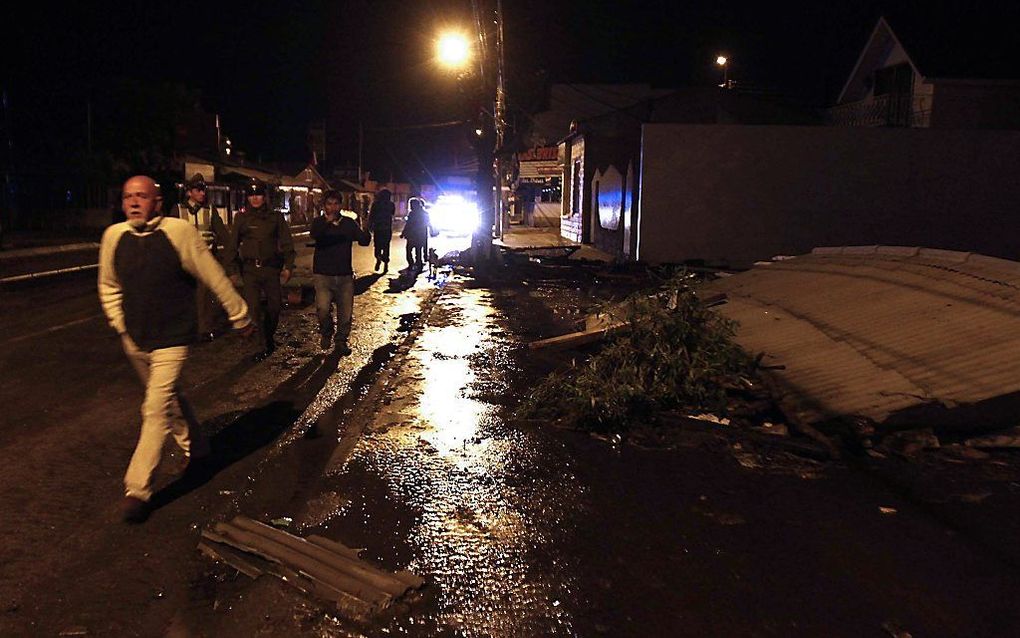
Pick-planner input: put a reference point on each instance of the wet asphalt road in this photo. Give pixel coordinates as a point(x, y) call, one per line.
point(519, 530)
point(527, 531)
point(69, 424)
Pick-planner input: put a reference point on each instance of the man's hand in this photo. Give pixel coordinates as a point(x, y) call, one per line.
point(284, 275)
point(247, 331)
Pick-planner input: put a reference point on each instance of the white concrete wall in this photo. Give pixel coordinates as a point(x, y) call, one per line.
point(547, 214)
point(736, 194)
point(571, 223)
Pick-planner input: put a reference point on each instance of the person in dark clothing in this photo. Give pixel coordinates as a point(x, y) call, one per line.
point(416, 232)
point(149, 266)
point(262, 248)
point(380, 220)
point(334, 235)
point(206, 219)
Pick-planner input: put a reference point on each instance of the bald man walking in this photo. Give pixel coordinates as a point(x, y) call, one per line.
point(149, 267)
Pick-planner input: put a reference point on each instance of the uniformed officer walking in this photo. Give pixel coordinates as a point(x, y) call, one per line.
point(262, 248)
point(198, 212)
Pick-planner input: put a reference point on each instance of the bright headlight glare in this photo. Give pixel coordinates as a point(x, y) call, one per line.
point(454, 214)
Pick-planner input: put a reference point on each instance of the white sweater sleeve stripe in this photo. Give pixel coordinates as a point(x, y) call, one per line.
point(111, 293)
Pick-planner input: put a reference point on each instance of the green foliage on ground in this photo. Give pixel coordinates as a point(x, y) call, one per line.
point(674, 353)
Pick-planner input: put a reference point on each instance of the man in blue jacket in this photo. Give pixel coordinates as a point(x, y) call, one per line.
point(334, 235)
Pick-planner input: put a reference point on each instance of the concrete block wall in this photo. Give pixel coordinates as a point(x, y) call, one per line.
point(738, 194)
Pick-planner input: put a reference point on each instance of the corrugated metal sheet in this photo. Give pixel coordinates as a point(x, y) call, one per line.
point(871, 330)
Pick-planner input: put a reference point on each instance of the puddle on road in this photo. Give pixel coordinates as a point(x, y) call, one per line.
point(478, 508)
point(376, 317)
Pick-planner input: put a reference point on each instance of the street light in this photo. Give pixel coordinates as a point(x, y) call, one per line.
point(724, 62)
point(453, 50)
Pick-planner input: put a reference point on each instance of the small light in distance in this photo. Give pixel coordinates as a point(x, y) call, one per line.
point(721, 60)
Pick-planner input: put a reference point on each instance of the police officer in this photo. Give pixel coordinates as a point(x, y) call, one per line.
point(262, 248)
point(206, 219)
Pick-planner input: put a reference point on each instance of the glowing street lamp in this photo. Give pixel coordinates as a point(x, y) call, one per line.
point(453, 50)
point(724, 62)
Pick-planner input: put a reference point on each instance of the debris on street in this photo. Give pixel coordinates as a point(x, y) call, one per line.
point(315, 565)
point(711, 418)
point(663, 351)
point(1006, 439)
point(580, 338)
point(909, 443)
point(283, 521)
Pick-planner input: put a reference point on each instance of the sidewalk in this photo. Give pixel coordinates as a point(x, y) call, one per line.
point(524, 239)
point(62, 258)
point(18, 242)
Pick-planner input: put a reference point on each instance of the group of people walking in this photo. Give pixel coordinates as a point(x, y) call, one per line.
point(258, 251)
point(159, 276)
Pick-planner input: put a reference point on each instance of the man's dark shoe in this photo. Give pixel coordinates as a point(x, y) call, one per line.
point(134, 510)
point(343, 349)
point(265, 354)
point(324, 342)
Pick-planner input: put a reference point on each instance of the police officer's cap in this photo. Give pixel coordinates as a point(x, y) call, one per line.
point(196, 181)
point(255, 187)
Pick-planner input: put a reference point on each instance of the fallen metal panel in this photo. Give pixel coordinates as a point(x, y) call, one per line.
point(869, 331)
point(317, 566)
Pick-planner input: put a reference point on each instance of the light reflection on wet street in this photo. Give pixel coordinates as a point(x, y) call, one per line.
point(486, 502)
point(518, 529)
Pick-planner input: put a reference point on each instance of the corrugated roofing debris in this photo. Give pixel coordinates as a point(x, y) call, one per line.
point(316, 565)
point(871, 331)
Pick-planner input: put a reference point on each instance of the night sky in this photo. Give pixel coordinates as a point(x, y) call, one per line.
point(270, 68)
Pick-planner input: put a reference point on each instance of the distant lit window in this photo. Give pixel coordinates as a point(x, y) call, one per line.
point(552, 192)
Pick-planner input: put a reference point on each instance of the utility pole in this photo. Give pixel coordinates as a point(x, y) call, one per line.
point(361, 143)
point(500, 121)
point(492, 140)
point(481, 243)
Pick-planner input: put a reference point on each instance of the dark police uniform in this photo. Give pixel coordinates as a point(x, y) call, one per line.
point(260, 246)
